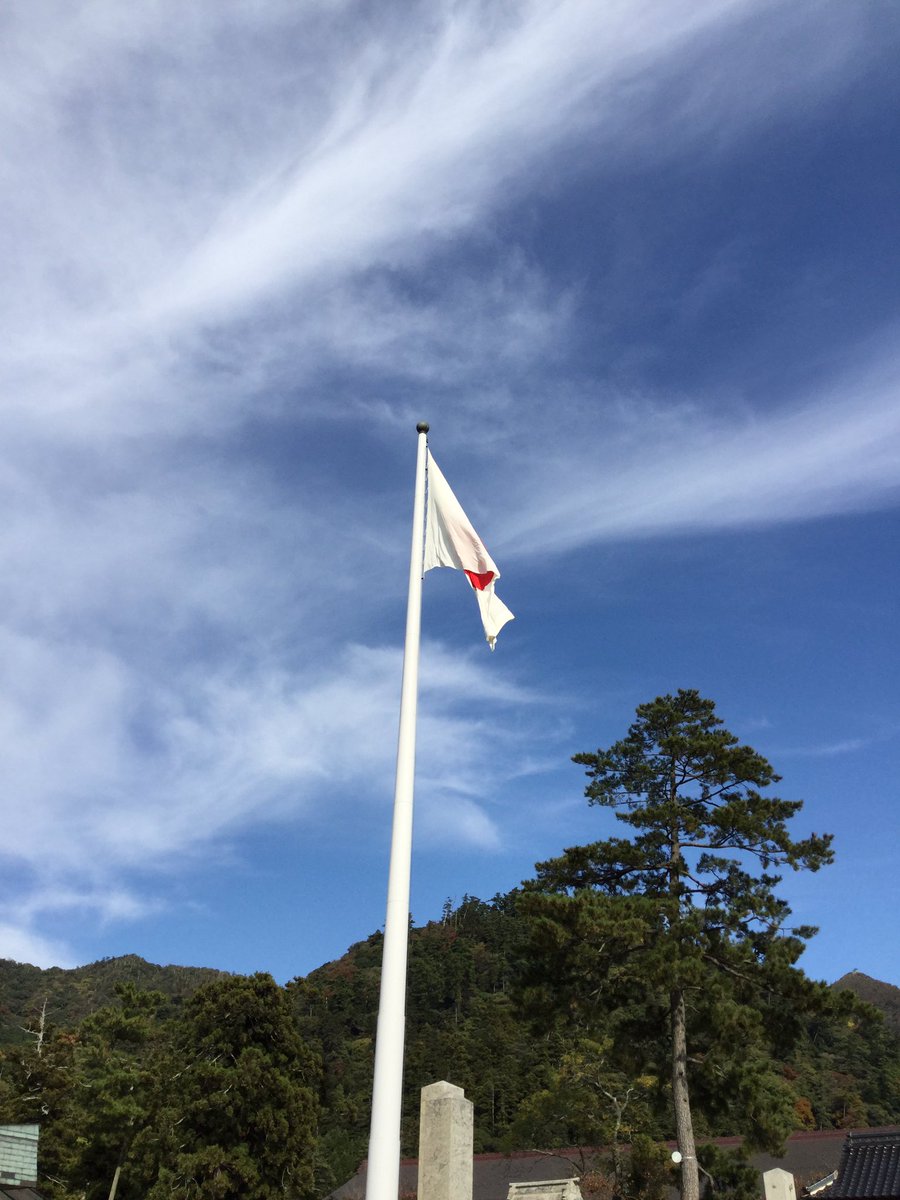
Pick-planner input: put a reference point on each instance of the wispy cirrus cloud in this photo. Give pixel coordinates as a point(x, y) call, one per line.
point(841, 746)
point(119, 773)
point(218, 217)
point(666, 469)
point(833, 749)
point(142, 772)
point(277, 176)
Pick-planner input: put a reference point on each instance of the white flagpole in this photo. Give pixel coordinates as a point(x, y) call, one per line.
point(383, 1172)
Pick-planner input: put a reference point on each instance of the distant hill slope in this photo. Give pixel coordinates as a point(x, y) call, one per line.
point(72, 994)
point(463, 1024)
point(883, 996)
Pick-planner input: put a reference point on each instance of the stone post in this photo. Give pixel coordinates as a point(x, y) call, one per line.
point(779, 1184)
point(445, 1143)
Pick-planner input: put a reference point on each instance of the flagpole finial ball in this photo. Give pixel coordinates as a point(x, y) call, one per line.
point(422, 427)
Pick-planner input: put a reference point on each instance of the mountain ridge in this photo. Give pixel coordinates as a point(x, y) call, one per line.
point(881, 995)
point(72, 993)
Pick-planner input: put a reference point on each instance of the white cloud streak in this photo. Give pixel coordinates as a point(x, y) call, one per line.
point(106, 773)
point(192, 223)
point(22, 944)
point(191, 177)
point(669, 470)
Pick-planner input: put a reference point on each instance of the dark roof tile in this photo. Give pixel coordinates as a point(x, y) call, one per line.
point(870, 1168)
point(808, 1156)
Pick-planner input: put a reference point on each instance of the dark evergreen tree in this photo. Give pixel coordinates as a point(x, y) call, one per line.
point(37, 1086)
point(680, 922)
point(240, 1117)
point(121, 1059)
point(91, 1090)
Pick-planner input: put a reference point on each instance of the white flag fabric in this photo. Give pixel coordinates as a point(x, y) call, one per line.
point(450, 541)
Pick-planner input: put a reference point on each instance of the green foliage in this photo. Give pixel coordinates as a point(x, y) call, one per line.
point(120, 1052)
point(538, 1085)
point(241, 1117)
point(530, 1071)
point(461, 1025)
point(727, 1174)
point(673, 941)
point(585, 1101)
point(72, 995)
point(219, 1101)
point(90, 1090)
point(883, 996)
point(551, 1007)
point(35, 1082)
point(845, 1070)
point(649, 1171)
point(688, 785)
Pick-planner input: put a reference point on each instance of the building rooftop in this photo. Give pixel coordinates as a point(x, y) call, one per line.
point(869, 1168)
point(809, 1156)
point(18, 1155)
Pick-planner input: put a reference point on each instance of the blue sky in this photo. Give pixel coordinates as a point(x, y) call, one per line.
point(636, 263)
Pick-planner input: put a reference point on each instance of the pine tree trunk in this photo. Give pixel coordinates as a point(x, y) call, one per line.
point(684, 1126)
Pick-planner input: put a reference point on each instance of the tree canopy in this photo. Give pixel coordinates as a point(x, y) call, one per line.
point(679, 925)
point(254, 1090)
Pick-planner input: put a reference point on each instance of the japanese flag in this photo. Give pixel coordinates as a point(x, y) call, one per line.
point(450, 541)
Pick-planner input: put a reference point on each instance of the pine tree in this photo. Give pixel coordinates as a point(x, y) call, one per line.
point(121, 1056)
point(680, 922)
point(240, 1120)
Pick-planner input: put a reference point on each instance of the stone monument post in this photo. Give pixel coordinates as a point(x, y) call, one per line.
point(779, 1184)
point(445, 1143)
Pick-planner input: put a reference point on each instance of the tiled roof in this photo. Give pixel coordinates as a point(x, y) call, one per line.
point(808, 1156)
point(870, 1168)
point(11, 1192)
point(18, 1154)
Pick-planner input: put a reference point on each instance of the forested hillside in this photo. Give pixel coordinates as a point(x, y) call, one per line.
point(133, 1081)
point(539, 1084)
point(215, 1097)
point(884, 996)
point(68, 996)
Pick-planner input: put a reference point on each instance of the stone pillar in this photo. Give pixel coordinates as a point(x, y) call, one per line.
point(779, 1184)
point(445, 1143)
